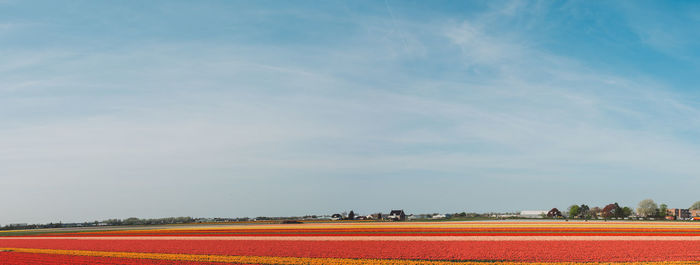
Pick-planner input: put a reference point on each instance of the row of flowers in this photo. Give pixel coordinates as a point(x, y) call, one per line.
point(423, 228)
point(522, 250)
point(18, 256)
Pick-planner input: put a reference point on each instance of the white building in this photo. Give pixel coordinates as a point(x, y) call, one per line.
point(533, 214)
point(439, 216)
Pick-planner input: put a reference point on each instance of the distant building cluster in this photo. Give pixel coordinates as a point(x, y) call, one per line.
point(647, 209)
point(394, 215)
point(682, 214)
point(533, 214)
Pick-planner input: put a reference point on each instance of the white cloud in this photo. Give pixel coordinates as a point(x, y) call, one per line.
point(203, 125)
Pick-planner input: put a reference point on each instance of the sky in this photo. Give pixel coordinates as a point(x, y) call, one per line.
point(117, 109)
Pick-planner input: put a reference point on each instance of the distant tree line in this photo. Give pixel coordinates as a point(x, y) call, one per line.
point(646, 209)
point(472, 215)
point(109, 222)
point(33, 226)
point(613, 210)
point(153, 221)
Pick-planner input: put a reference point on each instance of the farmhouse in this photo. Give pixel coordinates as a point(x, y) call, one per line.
point(397, 215)
point(336, 217)
point(678, 214)
point(375, 216)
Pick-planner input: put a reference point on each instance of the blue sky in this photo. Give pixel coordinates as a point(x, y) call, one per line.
point(113, 109)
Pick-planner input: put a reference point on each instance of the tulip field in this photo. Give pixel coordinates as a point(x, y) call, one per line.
point(415, 243)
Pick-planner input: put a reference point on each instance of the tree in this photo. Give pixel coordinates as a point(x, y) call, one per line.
point(626, 212)
point(663, 210)
point(695, 206)
point(595, 211)
point(647, 208)
point(573, 211)
point(584, 211)
point(132, 221)
point(351, 215)
point(612, 210)
point(554, 213)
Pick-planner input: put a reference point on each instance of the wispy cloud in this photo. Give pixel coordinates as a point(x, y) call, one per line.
point(462, 105)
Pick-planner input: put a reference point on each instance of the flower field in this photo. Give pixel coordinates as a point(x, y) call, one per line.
point(434, 243)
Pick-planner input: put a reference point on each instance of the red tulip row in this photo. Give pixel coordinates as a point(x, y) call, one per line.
point(404, 234)
point(400, 232)
point(689, 231)
point(19, 258)
point(544, 251)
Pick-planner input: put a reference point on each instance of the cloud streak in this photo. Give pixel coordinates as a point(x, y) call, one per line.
point(467, 108)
